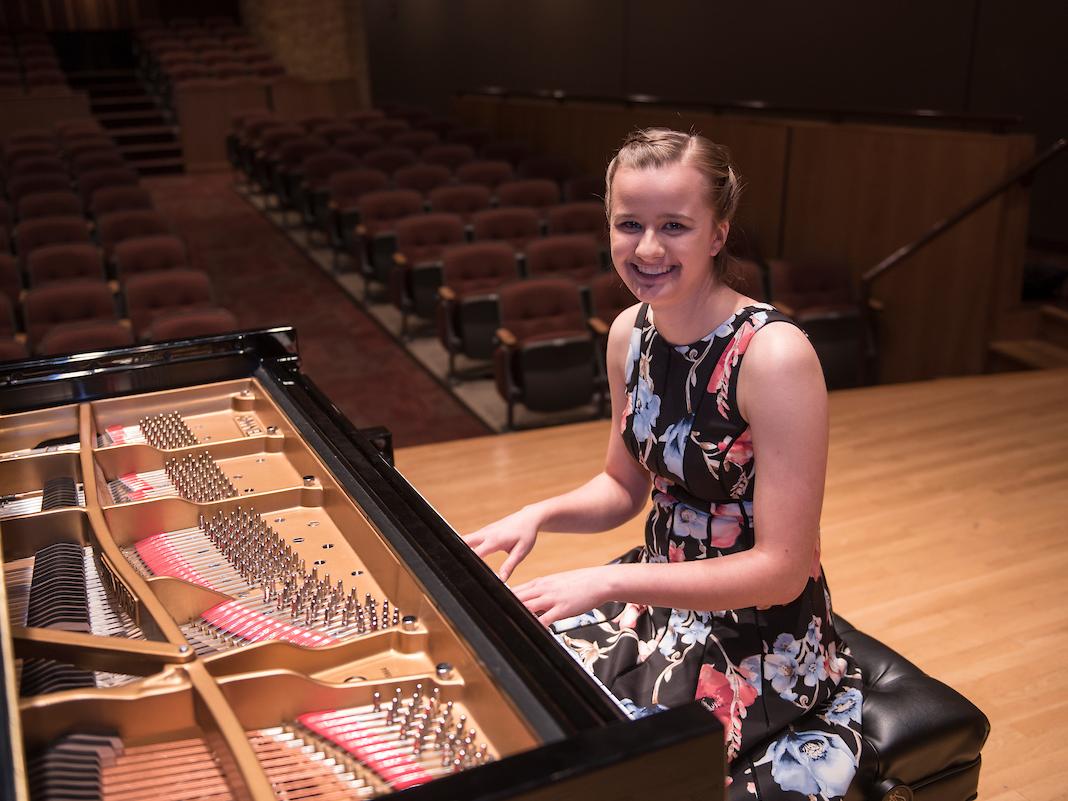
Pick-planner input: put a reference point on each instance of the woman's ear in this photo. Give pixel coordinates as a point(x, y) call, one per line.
point(719, 241)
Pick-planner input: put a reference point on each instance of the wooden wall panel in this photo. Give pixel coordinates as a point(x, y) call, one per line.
point(205, 116)
point(856, 193)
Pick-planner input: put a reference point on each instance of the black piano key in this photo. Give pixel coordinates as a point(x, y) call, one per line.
point(57, 589)
point(59, 493)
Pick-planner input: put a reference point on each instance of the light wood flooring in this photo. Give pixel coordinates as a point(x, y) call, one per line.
point(945, 535)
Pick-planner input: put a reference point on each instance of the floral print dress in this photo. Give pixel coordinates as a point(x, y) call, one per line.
point(780, 681)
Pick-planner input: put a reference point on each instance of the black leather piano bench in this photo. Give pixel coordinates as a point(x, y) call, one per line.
point(921, 738)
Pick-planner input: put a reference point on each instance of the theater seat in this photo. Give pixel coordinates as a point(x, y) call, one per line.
point(922, 739)
point(84, 336)
point(190, 323)
point(66, 302)
point(11, 349)
point(148, 254)
point(150, 294)
point(547, 359)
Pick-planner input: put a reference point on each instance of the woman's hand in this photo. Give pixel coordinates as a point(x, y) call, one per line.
point(515, 535)
point(561, 595)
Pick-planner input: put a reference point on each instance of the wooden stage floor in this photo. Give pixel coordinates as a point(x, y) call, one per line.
point(945, 535)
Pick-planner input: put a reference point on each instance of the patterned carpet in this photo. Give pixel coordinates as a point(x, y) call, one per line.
point(265, 280)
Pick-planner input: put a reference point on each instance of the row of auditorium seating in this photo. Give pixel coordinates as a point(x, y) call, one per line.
point(395, 194)
point(28, 64)
point(86, 262)
point(217, 52)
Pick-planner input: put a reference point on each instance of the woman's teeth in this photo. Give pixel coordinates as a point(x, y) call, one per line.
point(652, 271)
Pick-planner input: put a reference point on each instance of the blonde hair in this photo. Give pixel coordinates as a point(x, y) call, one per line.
point(651, 148)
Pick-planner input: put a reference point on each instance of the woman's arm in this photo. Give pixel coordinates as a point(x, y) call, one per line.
point(610, 498)
point(782, 395)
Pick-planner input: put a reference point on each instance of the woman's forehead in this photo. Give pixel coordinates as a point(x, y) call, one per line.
point(675, 185)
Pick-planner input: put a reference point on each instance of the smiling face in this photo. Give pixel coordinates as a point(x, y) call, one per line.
point(664, 235)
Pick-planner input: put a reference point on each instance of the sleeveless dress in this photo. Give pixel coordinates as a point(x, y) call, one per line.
point(786, 690)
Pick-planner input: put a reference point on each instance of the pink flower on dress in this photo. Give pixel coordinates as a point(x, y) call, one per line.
point(741, 451)
point(627, 410)
point(676, 553)
point(722, 691)
point(628, 618)
point(833, 663)
point(725, 531)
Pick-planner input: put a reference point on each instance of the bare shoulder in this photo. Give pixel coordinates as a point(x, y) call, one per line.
point(780, 364)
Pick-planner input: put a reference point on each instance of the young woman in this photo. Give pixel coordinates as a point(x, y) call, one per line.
point(726, 600)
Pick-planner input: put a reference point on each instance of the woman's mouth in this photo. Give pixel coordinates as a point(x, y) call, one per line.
point(652, 271)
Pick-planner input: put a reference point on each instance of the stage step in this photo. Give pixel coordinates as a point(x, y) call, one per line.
point(132, 102)
point(1053, 325)
point(145, 134)
point(160, 166)
point(1026, 354)
point(115, 120)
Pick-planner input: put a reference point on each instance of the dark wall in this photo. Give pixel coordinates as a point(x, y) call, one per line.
point(993, 56)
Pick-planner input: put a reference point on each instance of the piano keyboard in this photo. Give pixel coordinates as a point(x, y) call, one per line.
point(195, 477)
point(275, 596)
point(58, 493)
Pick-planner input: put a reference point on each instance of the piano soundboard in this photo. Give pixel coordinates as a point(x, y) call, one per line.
point(216, 587)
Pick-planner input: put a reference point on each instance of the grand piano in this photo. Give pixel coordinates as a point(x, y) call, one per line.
point(215, 586)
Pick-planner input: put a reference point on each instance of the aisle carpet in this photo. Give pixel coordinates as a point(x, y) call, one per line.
point(265, 280)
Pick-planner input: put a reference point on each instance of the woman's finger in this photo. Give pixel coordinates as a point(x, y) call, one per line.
point(514, 558)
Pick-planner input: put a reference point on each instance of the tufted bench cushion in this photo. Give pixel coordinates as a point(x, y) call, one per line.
point(921, 738)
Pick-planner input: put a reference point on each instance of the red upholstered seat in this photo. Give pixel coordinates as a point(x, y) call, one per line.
point(93, 180)
point(18, 188)
point(7, 316)
point(462, 199)
point(573, 256)
point(65, 302)
point(148, 294)
point(190, 323)
point(517, 225)
point(388, 159)
point(552, 168)
point(586, 217)
point(359, 144)
point(64, 263)
point(487, 173)
point(535, 193)
point(11, 350)
point(102, 159)
point(84, 335)
point(449, 155)
point(422, 177)
point(119, 226)
point(119, 198)
point(10, 279)
point(547, 361)
point(33, 234)
point(147, 254)
point(385, 128)
point(60, 203)
point(416, 141)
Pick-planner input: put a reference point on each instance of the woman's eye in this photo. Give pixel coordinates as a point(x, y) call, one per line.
point(674, 226)
point(629, 225)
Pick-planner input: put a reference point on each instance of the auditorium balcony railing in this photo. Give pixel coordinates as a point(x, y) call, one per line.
point(870, 306)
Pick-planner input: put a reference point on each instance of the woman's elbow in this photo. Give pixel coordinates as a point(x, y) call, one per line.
point(787, 580)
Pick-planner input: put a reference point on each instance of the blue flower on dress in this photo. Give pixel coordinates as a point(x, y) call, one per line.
point(781, 670)
point(786, 644)
point(689, 522)
point(845, 707)
point(811, 763)
point(646, 410)
point(582, 619)
point(635, 712)
point(749, 668)
point(697, 631)
point(813, 668)
point(675, 438)
point(813, 636)
point(681, 626)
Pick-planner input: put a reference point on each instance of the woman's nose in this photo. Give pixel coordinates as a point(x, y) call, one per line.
point(649, 248)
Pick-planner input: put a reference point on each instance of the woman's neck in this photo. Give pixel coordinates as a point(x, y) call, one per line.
point(683, 323)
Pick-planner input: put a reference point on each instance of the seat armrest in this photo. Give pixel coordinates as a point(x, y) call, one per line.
point(447, 294)
point(598, 326)
point(506, 338)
